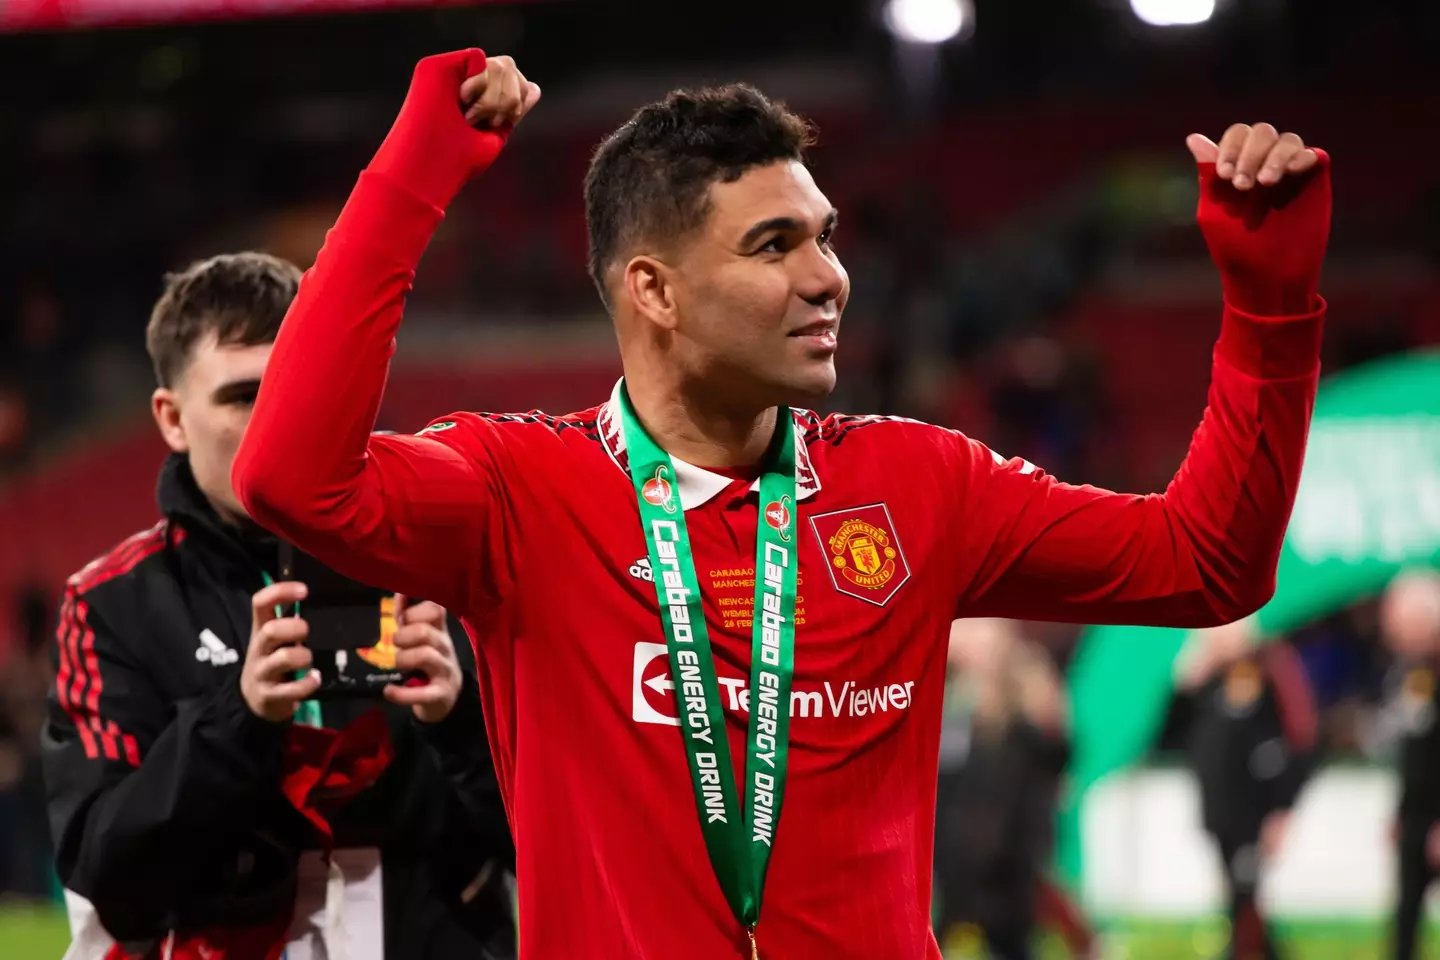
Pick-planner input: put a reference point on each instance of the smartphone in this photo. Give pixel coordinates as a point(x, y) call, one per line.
point(352, 629)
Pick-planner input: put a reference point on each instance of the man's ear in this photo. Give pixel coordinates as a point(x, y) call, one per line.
point(165, 408)
point(649, 284)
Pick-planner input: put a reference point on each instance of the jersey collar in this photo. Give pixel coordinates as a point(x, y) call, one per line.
point(698, 486)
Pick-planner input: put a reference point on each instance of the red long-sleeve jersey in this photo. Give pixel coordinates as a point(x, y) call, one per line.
point(527, 526)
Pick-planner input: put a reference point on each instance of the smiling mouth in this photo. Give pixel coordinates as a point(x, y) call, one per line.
point(817, 329)
point(820, 335)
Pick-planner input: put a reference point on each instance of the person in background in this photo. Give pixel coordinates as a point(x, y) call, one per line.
point(202, 804)
point(1002, 752)
point(1252, 740)
point(1410, 626)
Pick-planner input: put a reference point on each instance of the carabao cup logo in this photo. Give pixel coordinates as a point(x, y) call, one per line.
point(658, 491)
point(777, 514)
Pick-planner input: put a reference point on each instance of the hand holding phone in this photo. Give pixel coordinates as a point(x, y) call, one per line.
point(424, 647)
point(276, 654)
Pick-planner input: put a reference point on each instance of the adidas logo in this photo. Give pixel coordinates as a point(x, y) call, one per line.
point(640, 570)
point(212, 650)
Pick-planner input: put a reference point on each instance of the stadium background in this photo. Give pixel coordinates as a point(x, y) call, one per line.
point(1018, 223)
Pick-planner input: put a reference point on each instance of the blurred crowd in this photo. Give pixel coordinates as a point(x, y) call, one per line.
point(1252, 720)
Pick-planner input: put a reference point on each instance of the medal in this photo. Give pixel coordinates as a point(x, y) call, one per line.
point(739, 849)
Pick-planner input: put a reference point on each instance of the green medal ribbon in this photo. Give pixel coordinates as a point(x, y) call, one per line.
point(739, 849)
point(308, 712)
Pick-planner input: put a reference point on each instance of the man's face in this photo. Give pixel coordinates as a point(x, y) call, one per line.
point(760, 290)
point(205, 413)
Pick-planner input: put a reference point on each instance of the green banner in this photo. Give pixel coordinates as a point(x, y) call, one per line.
point(1368, 505)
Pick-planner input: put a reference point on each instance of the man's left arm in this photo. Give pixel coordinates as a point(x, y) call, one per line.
point(1205, 551)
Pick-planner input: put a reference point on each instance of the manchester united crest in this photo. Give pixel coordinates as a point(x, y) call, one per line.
point(866, 560)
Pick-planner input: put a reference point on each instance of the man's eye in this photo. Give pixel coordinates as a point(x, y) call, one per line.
point(245, 398)
point(774, 245)
point(826, 239)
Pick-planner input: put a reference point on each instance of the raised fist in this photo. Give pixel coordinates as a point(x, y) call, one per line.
point(460, 108)
point(499, 95)
point(1247, 156)
point(1265, 213)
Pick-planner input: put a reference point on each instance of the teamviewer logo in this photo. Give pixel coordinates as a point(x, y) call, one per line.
point(653, 696)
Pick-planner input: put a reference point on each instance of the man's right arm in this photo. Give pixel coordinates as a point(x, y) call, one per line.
point(410, 514)
point(136, 790)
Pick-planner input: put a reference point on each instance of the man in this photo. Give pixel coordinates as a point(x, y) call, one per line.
point(1410, 624)
point(191, 815)
point(1252, 739)
point(583, 550)
point(1003, 749)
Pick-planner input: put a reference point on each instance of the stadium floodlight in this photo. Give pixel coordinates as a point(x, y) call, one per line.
point(928, 21)
point(1173, 13)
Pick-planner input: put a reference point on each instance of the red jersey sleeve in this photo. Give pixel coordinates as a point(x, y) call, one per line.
point(416, 514)
point(1202, 553)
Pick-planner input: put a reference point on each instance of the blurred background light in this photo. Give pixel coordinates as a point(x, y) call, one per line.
point(928, 21)
point(1173, 13)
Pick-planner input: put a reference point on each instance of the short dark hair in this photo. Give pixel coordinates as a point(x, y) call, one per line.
point(650, 179)
point(239, 297)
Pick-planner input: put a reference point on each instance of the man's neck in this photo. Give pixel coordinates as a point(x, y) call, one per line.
point(698, 431)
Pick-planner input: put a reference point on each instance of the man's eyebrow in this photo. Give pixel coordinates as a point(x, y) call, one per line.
point(783, 224)
point(774, 224)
